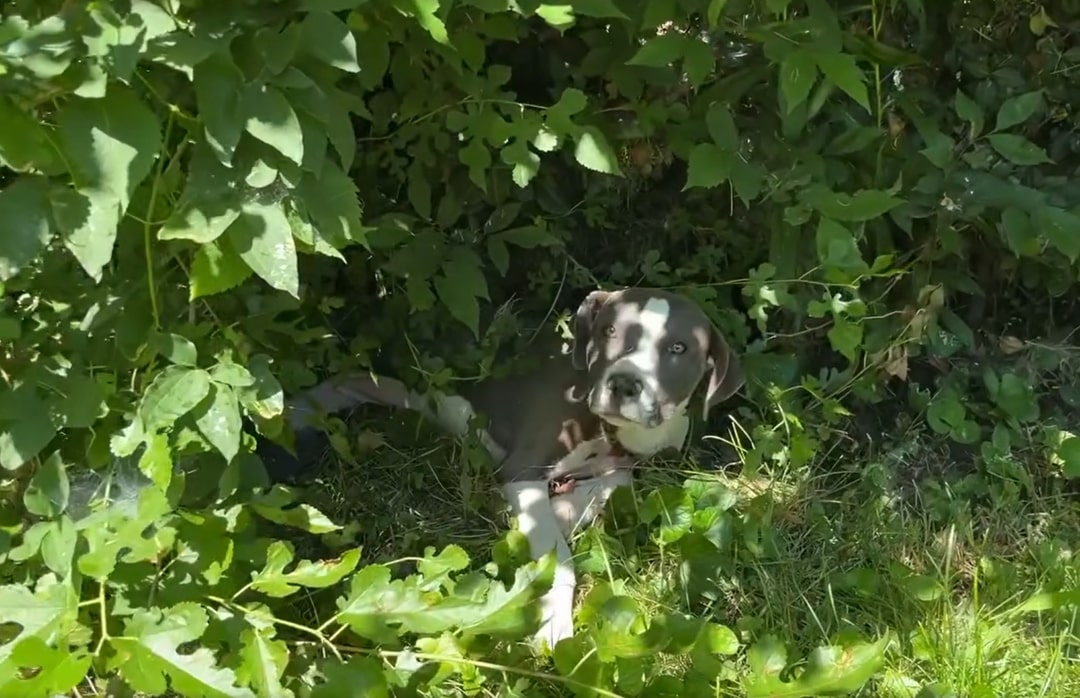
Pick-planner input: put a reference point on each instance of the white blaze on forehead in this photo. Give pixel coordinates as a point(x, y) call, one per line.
point(652, 320)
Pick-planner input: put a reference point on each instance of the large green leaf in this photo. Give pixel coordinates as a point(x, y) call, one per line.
point(111, 145)
point(263, 238)
point(25, 210)
point(149, 656)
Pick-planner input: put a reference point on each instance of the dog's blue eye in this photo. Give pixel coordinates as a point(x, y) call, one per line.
point(677, 348)
point(610, 330)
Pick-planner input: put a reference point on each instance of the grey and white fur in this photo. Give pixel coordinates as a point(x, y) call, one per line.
point(622, 393)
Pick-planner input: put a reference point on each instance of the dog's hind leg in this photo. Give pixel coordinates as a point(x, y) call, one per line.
point(531, 505)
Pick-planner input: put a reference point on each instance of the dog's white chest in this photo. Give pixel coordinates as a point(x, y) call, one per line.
point(648, 442)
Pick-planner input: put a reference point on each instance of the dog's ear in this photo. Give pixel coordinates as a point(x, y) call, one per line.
point(583, 322)
point(725, 372)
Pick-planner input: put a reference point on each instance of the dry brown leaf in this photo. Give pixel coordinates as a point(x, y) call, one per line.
point(896, 362)
point(1009, 344)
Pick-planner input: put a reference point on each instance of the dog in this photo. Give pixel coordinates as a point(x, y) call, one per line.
point(566, 435)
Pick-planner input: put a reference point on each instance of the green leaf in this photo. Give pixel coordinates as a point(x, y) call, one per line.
point(709, 166)
point(829, 670)
point(1061, 228)
point(141, 535)
point(25, 210)
point(271, 119)
point(265, 397)
point(277, 505)
point(176, 348)
point(219, 85)
point(559, 116)
point(842, 70)
point(863, 205)
point(180, 50)
point(210, 202)
point(48, 613)
point(327, 38)
point(594, 153)
point(505, 611)
point(156, 461)
point(477, 158)
point(360, 676)
point(846, 337)
point(452, 558)
point(218, 419)
point(528, 237)
point(1019, 233)
point(263, 238)
point(1018, 109)
point(36, 669)
point(559, 16)
point(969, 111)
point(425, 12)
point(263, 660)
point(716, 9)
point(526, 163)
point(111, 144)
point(597, 8)
point(459, 287)
point(26, 434)
point(675, 510)
point(174, 392)
point(231, 374)
point(58, 545)
point(721, 125)
point(378, 609)
point(118, 41)
point(274, 581)
point(798, 73)
point(81, 401)
point(24, 141)
point(216, 268)
point(837, 247)
point(149, 658)
point(660, 51)
point(331, 199)
point(1017, 149)
point(699, 61)
point(48, 493)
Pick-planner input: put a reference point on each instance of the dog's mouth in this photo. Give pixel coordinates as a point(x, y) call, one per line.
point(629, 413)
point(618, 420)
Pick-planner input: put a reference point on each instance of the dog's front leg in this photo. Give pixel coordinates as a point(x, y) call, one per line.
point(531, 505)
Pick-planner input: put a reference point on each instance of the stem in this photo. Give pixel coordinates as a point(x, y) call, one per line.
point(103, 620)
point(148, 228)
point(538, 675)
point(285, 624)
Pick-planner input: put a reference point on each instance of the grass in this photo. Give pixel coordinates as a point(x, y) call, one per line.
point(908, 537)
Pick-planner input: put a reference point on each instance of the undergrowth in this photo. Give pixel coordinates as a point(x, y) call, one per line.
point(209, 206)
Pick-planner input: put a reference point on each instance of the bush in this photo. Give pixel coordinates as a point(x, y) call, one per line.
point(208, 206)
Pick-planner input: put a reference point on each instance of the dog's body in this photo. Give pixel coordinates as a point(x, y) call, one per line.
point(638, 357)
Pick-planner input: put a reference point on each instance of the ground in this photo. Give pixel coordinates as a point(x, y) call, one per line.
point(895, 532)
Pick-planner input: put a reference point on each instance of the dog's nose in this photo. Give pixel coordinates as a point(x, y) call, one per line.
point(624, 385)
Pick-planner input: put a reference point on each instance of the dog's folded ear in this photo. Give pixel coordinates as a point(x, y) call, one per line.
point(583, 323)
point(725, 372)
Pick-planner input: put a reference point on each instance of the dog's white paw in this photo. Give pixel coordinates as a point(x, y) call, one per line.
point(557, 618)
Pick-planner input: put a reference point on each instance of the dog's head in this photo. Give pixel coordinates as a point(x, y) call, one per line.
point(646, 352)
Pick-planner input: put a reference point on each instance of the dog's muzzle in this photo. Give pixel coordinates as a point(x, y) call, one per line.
point(622, 396)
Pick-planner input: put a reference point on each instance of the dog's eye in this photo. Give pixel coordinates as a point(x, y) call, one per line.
point(677, 348)
point(609, 330)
